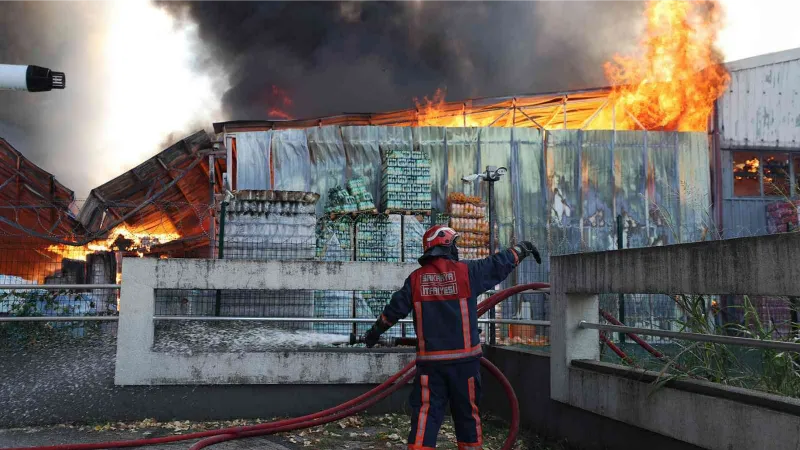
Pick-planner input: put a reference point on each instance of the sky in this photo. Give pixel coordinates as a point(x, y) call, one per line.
point(138, 78)
point(756, 27)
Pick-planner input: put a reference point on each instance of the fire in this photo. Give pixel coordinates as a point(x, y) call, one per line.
point(674, 84)
point(279, 100)
point(121, 238)
point(434, 112)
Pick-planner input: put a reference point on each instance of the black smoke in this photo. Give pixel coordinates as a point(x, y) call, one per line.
point(334, 57)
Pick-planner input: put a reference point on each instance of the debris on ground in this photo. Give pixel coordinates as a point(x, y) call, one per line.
point(359, 432)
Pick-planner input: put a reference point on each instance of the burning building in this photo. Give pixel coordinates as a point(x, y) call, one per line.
point(672, 151)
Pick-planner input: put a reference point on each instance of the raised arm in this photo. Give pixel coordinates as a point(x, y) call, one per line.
point(488, 272)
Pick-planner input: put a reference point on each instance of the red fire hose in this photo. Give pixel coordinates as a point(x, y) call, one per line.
point(338, 412)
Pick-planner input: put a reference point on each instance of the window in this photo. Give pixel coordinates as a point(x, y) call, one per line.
point(757, 174)
point(776, 174)
point(746, 173)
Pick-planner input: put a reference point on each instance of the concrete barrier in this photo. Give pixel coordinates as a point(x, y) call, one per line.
point(756, 266)
point(138, 364)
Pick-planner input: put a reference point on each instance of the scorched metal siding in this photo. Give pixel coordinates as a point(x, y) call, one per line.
point(761, 108)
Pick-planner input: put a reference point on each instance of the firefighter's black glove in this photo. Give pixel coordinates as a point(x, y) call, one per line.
point(525, 249)
point(371, 337)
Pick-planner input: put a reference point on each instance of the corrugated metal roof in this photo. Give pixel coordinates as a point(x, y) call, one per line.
point(31, 199)
point(163, 192)
point(761, 108)
point(525, 111)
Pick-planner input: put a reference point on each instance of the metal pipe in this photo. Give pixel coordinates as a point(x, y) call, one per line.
point(716, 339)
point(543, 323)
point(55, 287)
point(621, 299)
point(60, 319)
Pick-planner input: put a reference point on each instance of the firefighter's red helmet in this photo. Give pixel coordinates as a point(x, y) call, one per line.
point(438, 235)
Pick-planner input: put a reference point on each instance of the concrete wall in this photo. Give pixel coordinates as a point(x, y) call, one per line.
point(138, 364)
point(714, 420)
point(529, 373)
point(74, 383)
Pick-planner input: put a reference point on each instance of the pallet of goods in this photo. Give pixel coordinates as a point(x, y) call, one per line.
point(378, 238)
point(468, 216)
point(405, 181)
point(335, 241)
point(358, 189)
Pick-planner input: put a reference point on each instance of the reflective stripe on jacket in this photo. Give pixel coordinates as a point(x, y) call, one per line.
point(443, 295)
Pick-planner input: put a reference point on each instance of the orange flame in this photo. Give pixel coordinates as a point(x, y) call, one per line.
point(140, 241)
point(434, 112)
point(674, 84)
point(279, 100)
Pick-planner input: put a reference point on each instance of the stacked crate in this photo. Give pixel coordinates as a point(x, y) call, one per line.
point(378, 238)
point(358, 189)
point(405, 181)
point(335, 240)
point(468, 216)
point(340, 201)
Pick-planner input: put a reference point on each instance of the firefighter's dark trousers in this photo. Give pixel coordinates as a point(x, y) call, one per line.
point(436, 385)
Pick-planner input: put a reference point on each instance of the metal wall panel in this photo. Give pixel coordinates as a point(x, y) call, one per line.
point(695, 178)
point(658, 181)
point(532, 209)
point(432, 141)
point(564, 193)
point(663, 189)
point(328, 162)
point(291, 161)
point(252, 160)
point(629, 186)
point(598, 223)
point(463, 158)
point(762, 107)
point(495, 150)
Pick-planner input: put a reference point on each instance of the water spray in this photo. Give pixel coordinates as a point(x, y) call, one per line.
point(30, 78)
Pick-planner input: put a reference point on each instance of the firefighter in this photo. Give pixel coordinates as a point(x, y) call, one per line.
point(443, 297)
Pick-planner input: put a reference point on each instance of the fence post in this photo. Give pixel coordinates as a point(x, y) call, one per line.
point(621, 301)
point(221, 243)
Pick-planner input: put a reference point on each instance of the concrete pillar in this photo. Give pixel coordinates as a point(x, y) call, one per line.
point(135, 329)
point(567, 341)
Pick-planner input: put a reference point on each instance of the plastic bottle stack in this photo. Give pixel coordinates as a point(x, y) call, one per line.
point(406, 180)
point(468, 216)
point(358, 189)
point(340, 201)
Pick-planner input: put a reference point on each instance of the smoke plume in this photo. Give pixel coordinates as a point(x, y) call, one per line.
point(53, 128)
point(334, 57)
point(138, 72)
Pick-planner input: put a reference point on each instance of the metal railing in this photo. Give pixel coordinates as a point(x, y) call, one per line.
point(333, 320)
point(717, 339)
point(58, 287)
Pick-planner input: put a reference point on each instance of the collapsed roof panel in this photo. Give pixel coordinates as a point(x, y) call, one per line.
point(32, 201)
point(168, 193)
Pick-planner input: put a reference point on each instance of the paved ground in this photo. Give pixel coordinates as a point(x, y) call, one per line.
point(356, 433)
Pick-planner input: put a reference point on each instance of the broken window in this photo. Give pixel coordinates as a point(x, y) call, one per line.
point(776, 174)
point(746, 173)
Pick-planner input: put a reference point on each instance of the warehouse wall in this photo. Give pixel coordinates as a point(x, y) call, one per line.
point(569, 185)
point(760, 112)
point(563, 191)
